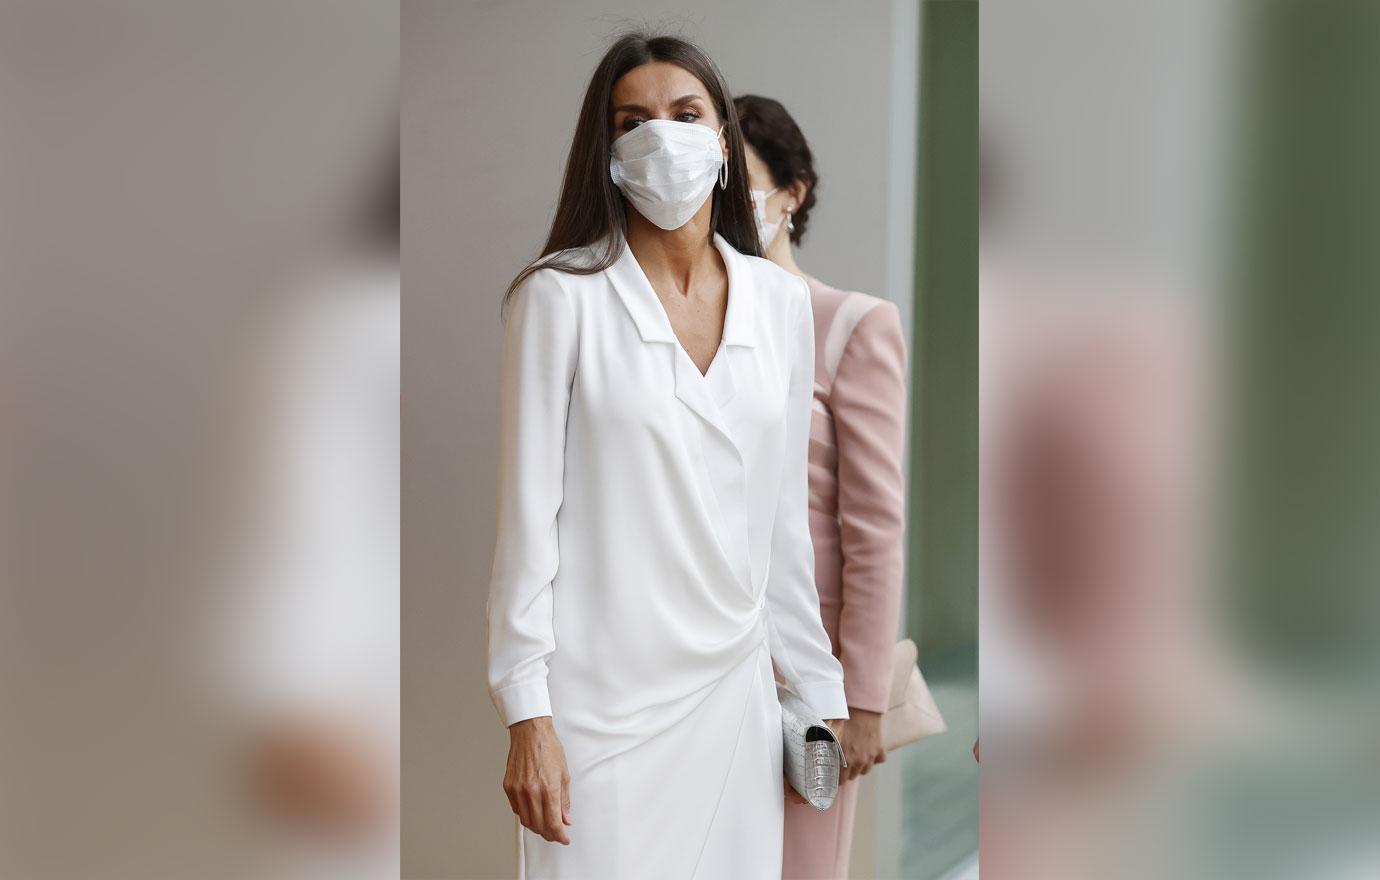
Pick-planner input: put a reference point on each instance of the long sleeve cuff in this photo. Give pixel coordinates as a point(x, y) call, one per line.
point(518, 702)
point(825, 697)
point(867, 684)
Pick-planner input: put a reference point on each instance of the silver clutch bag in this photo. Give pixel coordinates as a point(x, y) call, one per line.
point(812, 753)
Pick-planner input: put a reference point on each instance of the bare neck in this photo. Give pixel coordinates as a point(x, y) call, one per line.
point(677, 258)
point(783, 254)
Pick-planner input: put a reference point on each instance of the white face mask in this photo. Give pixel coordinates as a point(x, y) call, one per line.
point(766, 232)
point(667, 169)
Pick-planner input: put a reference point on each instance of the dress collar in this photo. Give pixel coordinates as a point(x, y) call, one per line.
point(649, 314)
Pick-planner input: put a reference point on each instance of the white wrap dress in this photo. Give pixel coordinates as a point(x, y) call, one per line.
point(653, 559)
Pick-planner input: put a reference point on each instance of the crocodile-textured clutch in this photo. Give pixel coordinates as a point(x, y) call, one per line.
point(812, 752)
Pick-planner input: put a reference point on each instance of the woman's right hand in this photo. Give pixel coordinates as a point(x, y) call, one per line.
point(537, 782)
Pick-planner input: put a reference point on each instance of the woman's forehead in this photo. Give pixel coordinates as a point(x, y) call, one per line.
point(658, 84)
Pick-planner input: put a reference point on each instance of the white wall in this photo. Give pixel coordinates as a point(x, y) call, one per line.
point(489, 100)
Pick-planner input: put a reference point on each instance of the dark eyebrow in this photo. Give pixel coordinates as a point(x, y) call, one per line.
point(638, 108)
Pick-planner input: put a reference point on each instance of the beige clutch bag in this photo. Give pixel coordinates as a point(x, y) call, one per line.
point(911, 713)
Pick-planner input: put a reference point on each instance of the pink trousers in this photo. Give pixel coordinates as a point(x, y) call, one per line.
point(817, 841)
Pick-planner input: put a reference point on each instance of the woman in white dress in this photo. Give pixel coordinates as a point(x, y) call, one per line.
point(653, 555)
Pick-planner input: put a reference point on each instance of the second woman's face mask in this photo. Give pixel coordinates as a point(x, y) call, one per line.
point(667, 169)
point(766, 232)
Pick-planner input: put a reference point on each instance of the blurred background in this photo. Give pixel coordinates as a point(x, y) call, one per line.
point(885, 91)
point(1178, 435)
point(198, 439)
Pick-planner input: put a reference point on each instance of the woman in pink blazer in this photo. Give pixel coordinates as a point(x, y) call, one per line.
point(857, 493)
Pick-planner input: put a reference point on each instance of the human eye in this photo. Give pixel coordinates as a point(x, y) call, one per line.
point(688, 116)
point(631, 122)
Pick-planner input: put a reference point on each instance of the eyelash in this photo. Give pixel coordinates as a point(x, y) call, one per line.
point(633, 122)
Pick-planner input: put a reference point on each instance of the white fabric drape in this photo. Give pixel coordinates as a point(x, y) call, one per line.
point(653, 558)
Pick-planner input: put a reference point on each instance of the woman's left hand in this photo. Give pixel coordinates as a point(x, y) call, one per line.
point(861, 736)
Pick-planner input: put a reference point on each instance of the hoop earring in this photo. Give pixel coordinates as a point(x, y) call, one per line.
point(723, 176)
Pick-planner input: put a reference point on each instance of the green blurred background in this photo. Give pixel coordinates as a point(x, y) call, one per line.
point(940, 778)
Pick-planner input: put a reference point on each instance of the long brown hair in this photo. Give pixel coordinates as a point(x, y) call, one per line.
point(591, 206)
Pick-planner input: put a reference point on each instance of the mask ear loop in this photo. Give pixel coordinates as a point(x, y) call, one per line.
point(723, 169)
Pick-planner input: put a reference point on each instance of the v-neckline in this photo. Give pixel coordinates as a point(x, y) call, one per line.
point(666, 316)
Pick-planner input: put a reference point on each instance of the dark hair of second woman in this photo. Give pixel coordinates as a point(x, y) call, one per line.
point(771, 131)
point(591, 205)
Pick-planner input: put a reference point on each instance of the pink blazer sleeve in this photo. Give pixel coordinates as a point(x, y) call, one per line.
point(868, 400)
